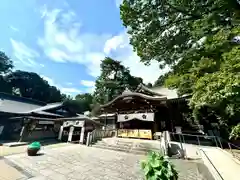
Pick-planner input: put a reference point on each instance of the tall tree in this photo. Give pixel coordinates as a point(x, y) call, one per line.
point(199, 40)
point(114, 79)
point(5, 67)
point(165, 30)
point(86, 100)
point(31, 85)
point(6, 63)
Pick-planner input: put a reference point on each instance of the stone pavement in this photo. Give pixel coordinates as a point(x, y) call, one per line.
point(10, 173)
point(77, 162)
point(6, 150)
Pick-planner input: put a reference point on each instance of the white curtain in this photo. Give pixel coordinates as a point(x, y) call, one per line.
point(139, 116)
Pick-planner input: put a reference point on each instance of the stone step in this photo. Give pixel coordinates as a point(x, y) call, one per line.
point(124, 143)
point(141, 146)
point(125, 148)
point(114, 148)
point(119, 145)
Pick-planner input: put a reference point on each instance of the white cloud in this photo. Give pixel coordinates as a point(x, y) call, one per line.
point(118, 2)
point(87, 83)
point(90, 89)
point(65, 90)
point(69, 83)
point(90, 85)
point(23, 53)
point(63, 41)
point(49, 80)
point(14, 28)
point(70, 91)
point(119, 45)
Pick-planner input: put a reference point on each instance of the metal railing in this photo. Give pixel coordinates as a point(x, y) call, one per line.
point(97, 134)
point(205, 140)
point(196, 139)
point(232, 148)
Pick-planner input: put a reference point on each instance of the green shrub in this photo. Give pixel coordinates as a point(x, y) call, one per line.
point(158, 167)
point(235, 133)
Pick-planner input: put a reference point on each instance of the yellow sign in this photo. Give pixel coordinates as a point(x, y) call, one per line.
point(146, 134)
point(135, 133)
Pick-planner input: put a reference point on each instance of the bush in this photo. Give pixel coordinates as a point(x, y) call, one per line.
point(235, 133)
point(158, 167)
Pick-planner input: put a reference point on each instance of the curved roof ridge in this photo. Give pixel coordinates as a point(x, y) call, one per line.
point(141, 86)
point(133, 94)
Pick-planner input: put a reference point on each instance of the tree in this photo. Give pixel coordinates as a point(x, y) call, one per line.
point(195, 38)
point(5, 67)
point(161, 80)
point(31, 85)
point(168, 30)
point(114, 79)
point(6, 64)
point(5, 86)
point(86, 99)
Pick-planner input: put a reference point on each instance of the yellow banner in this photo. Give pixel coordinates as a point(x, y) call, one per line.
point(135, 133)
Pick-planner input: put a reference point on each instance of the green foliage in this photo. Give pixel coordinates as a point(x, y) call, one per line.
point(194, 38)
point(31, 85)
point(158, 167)
point(82, 103)
point(167, 30)
point(86, 99)
point(235, 133)
point(114, 79)
point(5, 63)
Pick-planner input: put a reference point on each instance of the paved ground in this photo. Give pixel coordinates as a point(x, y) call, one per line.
point(10, 173)
point(5, 150)
point(76, 162)
point(227, 167)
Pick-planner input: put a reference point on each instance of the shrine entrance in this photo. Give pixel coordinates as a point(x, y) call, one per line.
point(137, 125)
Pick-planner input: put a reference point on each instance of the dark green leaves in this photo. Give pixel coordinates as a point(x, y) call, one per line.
point(114, 79)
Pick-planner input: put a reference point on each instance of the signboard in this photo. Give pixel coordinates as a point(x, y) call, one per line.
point(45, 122)
point(66, 133)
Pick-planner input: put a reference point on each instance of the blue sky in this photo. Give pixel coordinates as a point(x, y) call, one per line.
point(64, 41)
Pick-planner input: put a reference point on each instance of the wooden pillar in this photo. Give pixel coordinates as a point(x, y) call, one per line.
point(60, 133)
point(70, 133)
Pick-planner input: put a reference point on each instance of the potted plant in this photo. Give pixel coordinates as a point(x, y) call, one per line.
point(158, 167)
point(33, 148)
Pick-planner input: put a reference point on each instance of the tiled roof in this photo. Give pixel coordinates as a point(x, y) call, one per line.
point(18, 105)
point(47, 107)
point(169, 93)
point(12, 106)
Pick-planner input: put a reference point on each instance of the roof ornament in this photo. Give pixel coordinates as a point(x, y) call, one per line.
point(126, 91)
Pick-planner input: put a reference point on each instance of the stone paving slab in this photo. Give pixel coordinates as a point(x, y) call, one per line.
point(10, 173)
point(8, 150)
point(79, 162)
